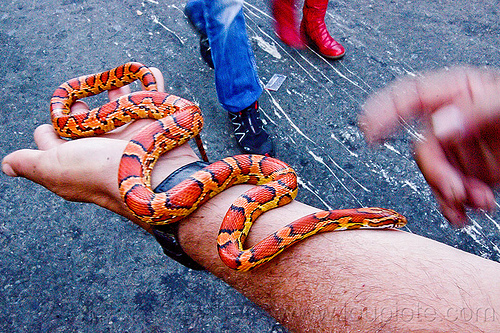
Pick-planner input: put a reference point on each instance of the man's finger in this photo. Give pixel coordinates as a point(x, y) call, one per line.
point(455, 214)
point(46, 137)
point(117, 93)
point(411, 98)
point(23, 163)
point(160, 83)
point(382, 111)
point(479, 194)
point(442, 176)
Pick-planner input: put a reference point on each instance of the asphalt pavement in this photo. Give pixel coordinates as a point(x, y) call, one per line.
point(74, 267)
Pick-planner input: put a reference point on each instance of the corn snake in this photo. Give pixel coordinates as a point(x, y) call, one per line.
point(178, 120)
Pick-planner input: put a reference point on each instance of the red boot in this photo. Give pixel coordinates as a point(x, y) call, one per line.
point(286, 25)
point(314, 32)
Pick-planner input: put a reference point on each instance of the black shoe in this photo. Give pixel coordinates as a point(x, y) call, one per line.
point(249, 132)
point(205, 50)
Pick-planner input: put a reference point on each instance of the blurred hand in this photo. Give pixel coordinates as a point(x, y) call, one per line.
point(460, 114)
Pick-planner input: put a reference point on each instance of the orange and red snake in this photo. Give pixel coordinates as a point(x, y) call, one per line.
point(178, 120)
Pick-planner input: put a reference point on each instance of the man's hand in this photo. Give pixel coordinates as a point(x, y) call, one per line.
point(460, 113)
point(86, 169)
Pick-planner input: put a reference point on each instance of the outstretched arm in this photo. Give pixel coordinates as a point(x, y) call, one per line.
point(354, 280)
point(460, 113)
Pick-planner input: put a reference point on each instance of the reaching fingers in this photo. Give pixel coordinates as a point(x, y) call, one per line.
point(416, 97)
point(460, 113)
point(475, 152)
point(452, 187)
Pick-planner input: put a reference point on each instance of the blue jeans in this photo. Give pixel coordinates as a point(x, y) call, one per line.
point(236, 77)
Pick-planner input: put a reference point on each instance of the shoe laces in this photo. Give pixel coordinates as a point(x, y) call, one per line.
point(252, 117)
point(249, 119)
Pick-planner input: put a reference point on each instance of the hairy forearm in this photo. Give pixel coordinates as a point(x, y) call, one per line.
point(363, 280)
point(367, 280)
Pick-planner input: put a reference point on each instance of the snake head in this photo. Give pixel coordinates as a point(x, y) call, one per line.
point(399, 220)
point(382, 217)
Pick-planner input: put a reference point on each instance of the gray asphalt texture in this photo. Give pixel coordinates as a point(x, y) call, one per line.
point(71, 267)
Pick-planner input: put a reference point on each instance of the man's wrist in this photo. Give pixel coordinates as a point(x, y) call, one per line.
point(171, 161)
point(167, 234)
